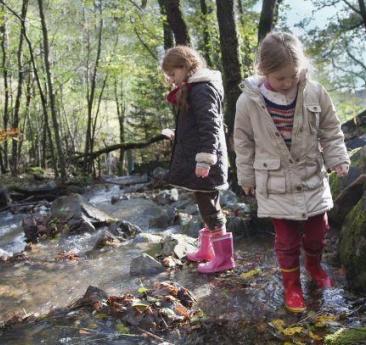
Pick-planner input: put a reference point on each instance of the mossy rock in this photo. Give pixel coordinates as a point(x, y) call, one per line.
point(345, 336)
point(358, 167)
point(352, 245)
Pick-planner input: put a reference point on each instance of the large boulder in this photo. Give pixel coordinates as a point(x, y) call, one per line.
point(352, 245)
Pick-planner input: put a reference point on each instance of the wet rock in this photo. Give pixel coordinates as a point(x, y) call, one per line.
point(4, 197)
point(190, 225)
point(166, 197)
point(192, 209)
point(178, 245)
point(147, 238)
point(145, 265)
point(38, 227)
point(105, 239)
point(94, 298)
point(352, 246)
point(228, 198)
point(124, 230)
point(159, 173)
point(74, 206)
point(238, 226)
point(164, 219)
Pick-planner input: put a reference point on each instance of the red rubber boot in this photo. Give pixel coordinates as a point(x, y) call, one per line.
point(205, 250)
point(294, 299)
point(316, 271)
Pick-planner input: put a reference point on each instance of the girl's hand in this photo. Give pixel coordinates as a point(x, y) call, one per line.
point(341, 169)
point(249, 190)
point(169, 133)
point(202, 171)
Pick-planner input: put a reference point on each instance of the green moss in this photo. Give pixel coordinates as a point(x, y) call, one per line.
point(335, 184)
point(353, 244)
point(345, 336)
point(358, 158)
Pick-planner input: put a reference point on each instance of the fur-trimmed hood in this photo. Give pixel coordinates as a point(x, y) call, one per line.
point(208, 75)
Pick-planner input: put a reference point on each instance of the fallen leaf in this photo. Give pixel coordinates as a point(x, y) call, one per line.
point(251, 274)
point(292, 330)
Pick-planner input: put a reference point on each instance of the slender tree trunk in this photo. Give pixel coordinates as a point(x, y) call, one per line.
point(168, 33)
point(206, 33)
point(176, 22)
point(4, 46)
point(231, 68)
point(51, 94)
point(230, 58)
point(121, 111)
point(15, 120)
point(90, 100)
point(362, 5)
point(267, 18)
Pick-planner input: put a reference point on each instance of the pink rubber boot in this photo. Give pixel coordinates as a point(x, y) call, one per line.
point(204, 251)
point(224, 254)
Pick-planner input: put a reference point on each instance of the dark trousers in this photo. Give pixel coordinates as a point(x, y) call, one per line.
point(291, 233)
point(210, 209)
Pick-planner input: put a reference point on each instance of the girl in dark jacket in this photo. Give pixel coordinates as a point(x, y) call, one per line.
point(199, 159)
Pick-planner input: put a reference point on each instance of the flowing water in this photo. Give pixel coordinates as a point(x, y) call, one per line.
point(42, 283)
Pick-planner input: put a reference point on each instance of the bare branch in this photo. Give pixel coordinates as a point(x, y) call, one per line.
point(352, 7)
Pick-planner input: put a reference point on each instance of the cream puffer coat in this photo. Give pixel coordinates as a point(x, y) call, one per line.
point(289, 184)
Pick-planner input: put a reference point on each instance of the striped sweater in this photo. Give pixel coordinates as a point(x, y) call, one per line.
point(282, 110)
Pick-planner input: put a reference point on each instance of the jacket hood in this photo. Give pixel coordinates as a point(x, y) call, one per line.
point(208, 75)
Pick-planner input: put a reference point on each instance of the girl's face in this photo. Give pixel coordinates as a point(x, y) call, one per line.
point(177, 76)
point(284, 80)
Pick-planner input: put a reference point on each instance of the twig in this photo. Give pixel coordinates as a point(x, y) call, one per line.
point(152, 335)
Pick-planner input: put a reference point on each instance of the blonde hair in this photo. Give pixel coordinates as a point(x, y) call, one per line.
point(182, 57)
point(278, 50)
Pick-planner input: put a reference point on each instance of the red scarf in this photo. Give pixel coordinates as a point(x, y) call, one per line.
point(172, 95)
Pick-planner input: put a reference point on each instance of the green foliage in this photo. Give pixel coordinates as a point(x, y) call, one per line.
point(346, 336)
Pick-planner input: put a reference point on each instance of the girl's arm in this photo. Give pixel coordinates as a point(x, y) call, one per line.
point(330, 134)
point(205, 103)
point(244, 146)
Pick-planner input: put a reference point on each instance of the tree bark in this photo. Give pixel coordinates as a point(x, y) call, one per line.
point(230, 58)
point(51, 93)
point(267, 18)
point(168, 33)
point(362, 5)
point(206, 33)
point(231, 68)
point(90, 100)
point(15, 120)
point(4, 44)
point(176, 22)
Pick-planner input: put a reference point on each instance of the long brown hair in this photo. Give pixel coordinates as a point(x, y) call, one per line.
point(278, 50)
point(182, 57)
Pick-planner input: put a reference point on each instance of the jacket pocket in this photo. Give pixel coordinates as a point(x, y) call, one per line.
point(269, 178)
point(313, 114)
point(314, 173)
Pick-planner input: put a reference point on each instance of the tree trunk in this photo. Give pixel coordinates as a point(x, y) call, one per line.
point(267, 18)
point(362, 5)
point(176, 22)
point(206, 33)
point(121, 111)
point(231, 68)
point(15, 121)
point(90, 100)
point(4, 44)
point(51, 94)
point(230, 58)
point(168, 33)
